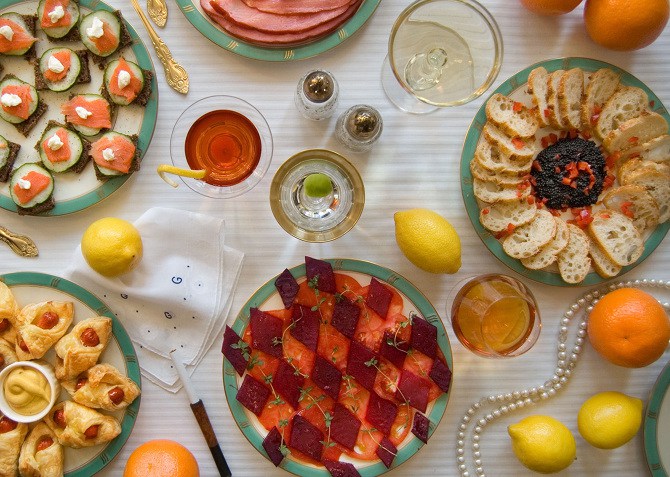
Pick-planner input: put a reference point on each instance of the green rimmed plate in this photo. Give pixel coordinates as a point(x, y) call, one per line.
point(217, 35)
point(657, 426)
point(515, 88)
point(31, 287)
point(75, 192)
point(267, 298)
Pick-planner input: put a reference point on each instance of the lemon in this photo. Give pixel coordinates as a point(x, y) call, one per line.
point(318, 185)
point(111, 246)
point(609, 419)
point(428, 240)
point(543, 444)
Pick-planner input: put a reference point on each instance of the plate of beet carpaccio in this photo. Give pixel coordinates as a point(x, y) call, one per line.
point(337, 367)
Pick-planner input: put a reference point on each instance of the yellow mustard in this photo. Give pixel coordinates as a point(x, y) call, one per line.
point(27, 391)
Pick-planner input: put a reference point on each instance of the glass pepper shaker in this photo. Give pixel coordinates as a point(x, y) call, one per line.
point(359, 127)
point(316, 95)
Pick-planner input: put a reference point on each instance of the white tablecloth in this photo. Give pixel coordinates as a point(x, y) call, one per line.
point(415, 164)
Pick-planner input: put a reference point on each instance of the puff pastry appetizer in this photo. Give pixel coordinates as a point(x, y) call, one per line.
point(41, 454)
point(80, 426)
point(7, 355)
point(11, 437)
point(41, 325)
point(9, 310)
point(102, 387)
point(80, 348)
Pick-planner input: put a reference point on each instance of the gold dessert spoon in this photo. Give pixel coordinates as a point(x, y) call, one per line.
point(175, 74)
point(157, 11)
point(21, 244)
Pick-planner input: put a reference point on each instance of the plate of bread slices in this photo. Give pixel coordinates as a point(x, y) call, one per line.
point(58, 325)
point(565, 172)
point(78, 104)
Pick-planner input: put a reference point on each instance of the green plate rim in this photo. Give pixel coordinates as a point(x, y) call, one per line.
point(424, 307)
point(130, 415)
point(472, 138)
point(149, 118)
point(230, 43)
point(651, 430)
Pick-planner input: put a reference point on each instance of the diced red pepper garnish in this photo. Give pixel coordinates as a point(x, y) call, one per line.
point(573, 133)
point(547, 113)
point(510, 228)
point(608, 181)
point(518, 143)
point(611, 160)
point(626, 209)
point(566, 181)
point(555, 212)
point(586, 134)
point(486, 211)
point(605, 215)
point(517, 107)
point(633, 140)
point(537, 166)
point(652, 103)
point(530, 199)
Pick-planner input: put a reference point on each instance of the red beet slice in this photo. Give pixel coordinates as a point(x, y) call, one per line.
point(414, 389)
point(441, 375)
point(386, 452)
point(341, 469)
point(361, 365)
point(381, 413)
point(305, 327)
point(287, 383)
point(306, 438)
point(321, 273)
point(272, 445)
point(345, 317)
point(287, 287)
point(253, 394)
point(234, 350)
point(379, 298)
point(420, 427)
point(266, 331)
point(344, 426)
point(327, 377)
point(424, 337)
point(394, 349)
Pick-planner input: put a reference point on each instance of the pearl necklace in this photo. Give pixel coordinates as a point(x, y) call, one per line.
point(565, 364)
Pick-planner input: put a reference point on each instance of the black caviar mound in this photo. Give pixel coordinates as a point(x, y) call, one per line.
point(569, 173)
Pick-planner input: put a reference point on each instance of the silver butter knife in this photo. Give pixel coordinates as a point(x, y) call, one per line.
point(21, 244)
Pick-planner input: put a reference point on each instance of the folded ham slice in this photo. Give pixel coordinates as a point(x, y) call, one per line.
point(291, 7)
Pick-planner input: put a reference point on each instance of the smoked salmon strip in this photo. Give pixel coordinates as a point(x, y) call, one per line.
point(100, 117)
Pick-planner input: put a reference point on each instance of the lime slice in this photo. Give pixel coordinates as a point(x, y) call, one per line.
point(178, 171)
point(318, 185)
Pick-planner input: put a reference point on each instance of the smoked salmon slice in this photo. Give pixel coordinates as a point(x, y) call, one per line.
point(21, 39)
point(49, 6)
point(108, 42)
point(21, 110)
point(38, 183)
point(130, 91)
point(100, 117)
point(65, 59)
point(61, 154)
point(122, 152)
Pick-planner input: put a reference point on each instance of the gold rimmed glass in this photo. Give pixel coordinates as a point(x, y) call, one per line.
point(319, 219)
point(441, 53)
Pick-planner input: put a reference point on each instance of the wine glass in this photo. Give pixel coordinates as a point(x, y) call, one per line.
point(441, 53)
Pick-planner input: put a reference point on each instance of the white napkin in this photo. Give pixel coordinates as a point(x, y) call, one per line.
point(180, 294)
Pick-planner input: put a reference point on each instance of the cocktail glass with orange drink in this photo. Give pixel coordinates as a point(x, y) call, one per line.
point(495, 316)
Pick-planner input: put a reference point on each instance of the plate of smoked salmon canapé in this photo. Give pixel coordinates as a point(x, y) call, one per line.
point(278, 30)
point(337, 367)
point(78, 104)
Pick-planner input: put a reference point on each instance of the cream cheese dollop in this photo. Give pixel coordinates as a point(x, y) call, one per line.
point(54, 143)
point(7, 32)
point(82, 112)
point(124, 79)
point(56, 14)
point(55, 65)
point(108, 154)
point(96, 29)
point(23, 184)
point(10, 100)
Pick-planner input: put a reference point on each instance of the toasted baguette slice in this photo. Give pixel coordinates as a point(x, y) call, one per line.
point(498, 217)
point(657, 150)
point(617, 236)
point(490, 157)
point(657, 184)
point(499, 177)
point(553, 83)
point(573, 261)
point(570, 92)
point(636, 165)
point(528, 239)
point(516, 147)
point(603, 266)
point(634, 201)
point(602, 85)
point(538, 88)
point(549, 253)
point(491, 192)
point(627, 103)
point(647, 126)
point(510, 116)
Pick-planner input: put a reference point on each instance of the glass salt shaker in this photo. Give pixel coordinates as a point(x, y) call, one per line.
point(316, 95)
point(359, 127)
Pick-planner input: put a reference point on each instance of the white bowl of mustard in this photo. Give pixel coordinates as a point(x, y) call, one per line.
point(28, 390)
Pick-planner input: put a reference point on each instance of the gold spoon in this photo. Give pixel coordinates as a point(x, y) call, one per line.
point(157, 11)
point(175, 74)
point(20, 244)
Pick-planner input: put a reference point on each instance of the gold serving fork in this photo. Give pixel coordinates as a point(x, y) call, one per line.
point(175, 74)
point(20, 244)
point(157, 11)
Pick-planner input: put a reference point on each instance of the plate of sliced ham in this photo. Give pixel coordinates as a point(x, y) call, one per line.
point(337, 367)
point(278, 30)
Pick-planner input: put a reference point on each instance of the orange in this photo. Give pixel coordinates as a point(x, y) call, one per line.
point(629, 328)
point(550, 7)
point(625, 24)
point(161, 458)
